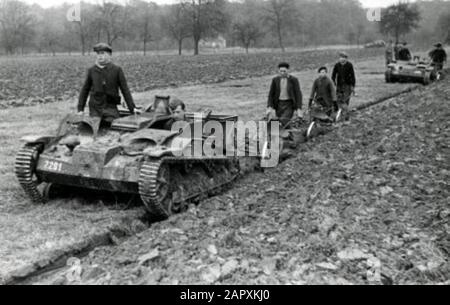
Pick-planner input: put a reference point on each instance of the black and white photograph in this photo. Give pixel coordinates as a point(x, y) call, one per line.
point(224, 148)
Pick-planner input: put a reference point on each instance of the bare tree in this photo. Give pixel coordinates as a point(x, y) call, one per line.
point(443, 27)
point(86, 26)
point(207, 18)
point(17, 25)
point(400, 19)
point(51, 33)
point(280, 14)
point(139, 22)
point(145, 23)
point(246, 28)
point(115, 19)
point(247, 32)
point(177, 24)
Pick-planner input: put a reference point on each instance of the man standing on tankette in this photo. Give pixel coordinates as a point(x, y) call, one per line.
point(285, 96)
point(102, 83)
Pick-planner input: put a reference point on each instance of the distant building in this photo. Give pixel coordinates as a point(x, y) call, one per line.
point(214, 43)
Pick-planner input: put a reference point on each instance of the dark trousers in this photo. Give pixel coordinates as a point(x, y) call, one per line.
point(344, 94)
point(285, 111)
point(107, 112)
point(439, 65)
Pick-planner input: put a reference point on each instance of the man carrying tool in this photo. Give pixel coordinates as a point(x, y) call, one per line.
point(344, 79)
point(285, 97)
point(324, 93)
point(438, 56)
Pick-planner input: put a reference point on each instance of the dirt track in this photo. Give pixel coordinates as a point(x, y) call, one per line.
point(35, 236)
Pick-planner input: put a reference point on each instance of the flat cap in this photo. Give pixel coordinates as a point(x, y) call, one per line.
point(438, 45)
point(102, 47)
point(284, 65)
point(323, 68)
point(343, 55)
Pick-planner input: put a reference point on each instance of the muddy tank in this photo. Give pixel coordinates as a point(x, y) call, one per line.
point(136, 155)
point(411, 71)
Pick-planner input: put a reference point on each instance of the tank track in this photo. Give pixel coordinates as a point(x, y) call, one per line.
point(168, 185)
point(25, 172)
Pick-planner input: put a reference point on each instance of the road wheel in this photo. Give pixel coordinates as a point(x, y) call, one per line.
point(154, 188)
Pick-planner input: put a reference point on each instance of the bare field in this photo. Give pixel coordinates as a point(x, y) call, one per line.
point(26, 81)
point(35, 234)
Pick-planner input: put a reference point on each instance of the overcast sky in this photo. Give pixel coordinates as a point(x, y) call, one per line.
point(48, 3)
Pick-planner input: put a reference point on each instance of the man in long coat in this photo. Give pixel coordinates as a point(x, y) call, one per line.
point(323, 92)
point(344, 79)
point(102, 84)
point(285, 97)
point(438, 56)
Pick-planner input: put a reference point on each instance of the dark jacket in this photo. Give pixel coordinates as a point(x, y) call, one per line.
point(396, 50)
point(404, 54)
point(103, 87)
point(344, 75)
point(324, 92)
point(294, 90)
point(438, 55)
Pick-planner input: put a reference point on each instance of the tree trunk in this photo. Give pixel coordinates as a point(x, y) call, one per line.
point(145, 46)
point(108, 37)
point(83, 46)
point(196, 46)
point(180, 46)
point(82, 40)
point(280, 37)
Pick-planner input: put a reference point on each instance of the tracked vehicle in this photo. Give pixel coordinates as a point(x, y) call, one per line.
point(411, 71)
point(136, 155)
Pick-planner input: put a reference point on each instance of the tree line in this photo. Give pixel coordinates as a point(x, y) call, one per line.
point(137, 25)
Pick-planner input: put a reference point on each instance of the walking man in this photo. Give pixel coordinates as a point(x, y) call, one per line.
point(344, 79)
point(285, 97)
point(324, 93)
point(102, 84)
point(438, 56)
point(389, 53)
